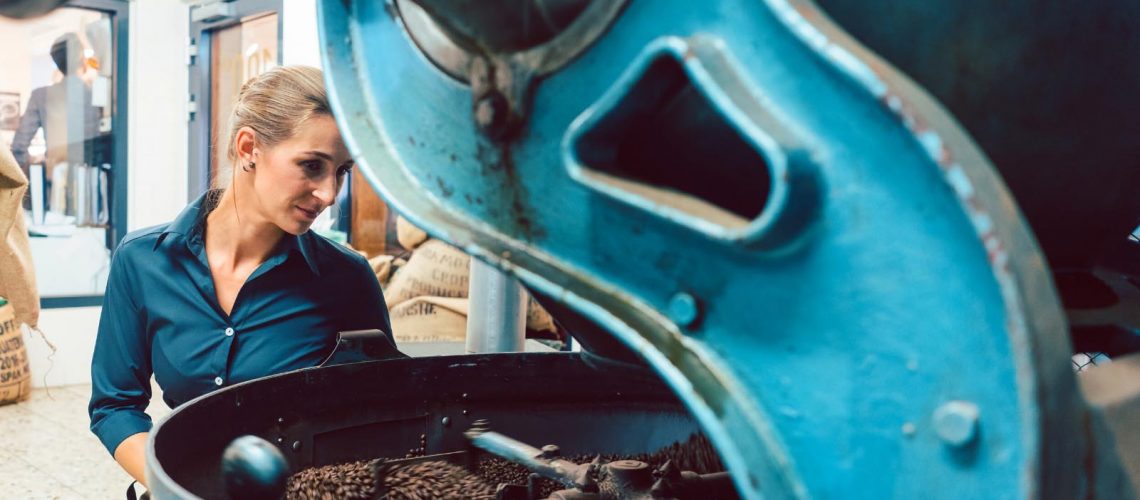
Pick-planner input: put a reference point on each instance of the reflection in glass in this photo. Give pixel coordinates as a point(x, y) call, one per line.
point(56, 104)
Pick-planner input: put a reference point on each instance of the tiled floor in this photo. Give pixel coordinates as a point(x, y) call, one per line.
point(47, 451)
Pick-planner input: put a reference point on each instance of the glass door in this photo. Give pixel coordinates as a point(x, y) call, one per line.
point(63, 116)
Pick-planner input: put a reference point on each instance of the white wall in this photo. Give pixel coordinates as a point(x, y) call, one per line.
point(157, 125)
point(300, 41)
point(72, 332)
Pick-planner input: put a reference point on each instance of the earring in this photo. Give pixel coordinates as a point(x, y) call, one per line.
point(248, 166)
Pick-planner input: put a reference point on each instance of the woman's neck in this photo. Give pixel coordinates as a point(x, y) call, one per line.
point(236, 235)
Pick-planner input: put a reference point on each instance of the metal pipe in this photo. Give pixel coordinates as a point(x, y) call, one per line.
point(496, 314)
point(565, 472)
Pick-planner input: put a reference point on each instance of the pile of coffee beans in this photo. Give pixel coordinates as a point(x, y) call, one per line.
point(375, 479)
point(429, 480)
point(353, 481)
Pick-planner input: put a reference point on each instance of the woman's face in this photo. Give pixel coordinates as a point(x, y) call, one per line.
point(299, 178)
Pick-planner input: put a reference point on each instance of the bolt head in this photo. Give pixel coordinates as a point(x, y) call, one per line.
point(446, 421)
point(296, 446)
point(683, 309)
point(956, 422)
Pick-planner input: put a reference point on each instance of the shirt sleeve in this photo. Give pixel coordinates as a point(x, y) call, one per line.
point(30, 122)
point(120, 367)
point(368, 310)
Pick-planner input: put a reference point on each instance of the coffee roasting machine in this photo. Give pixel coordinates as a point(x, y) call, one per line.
point(828, 236)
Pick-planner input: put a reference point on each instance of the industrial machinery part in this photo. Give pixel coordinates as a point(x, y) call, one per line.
point(410, 407)
point(1032, 85)
point(618, 479)
point(362, 345)
point(800, 241)
point(254, 468)
point(24, 9)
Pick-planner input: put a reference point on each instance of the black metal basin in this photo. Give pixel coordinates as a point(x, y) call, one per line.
point(328, 415)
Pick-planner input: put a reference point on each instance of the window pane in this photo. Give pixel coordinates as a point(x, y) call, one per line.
point(56, 104)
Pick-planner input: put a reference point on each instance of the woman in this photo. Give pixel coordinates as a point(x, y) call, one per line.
point(236, 287)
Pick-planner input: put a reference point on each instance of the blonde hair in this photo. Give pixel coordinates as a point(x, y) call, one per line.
point(274, 104)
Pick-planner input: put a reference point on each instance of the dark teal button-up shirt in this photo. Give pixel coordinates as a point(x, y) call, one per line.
point(161, 315)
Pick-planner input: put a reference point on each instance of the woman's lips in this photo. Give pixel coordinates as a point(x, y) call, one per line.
point(311, 214)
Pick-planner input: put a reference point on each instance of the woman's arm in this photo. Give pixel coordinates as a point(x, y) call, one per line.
point(121, 365)
point(131, 455)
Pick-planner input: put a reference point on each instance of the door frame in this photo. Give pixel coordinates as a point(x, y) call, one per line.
point(200, 71)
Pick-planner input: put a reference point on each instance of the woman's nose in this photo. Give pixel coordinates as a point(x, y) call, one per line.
point(326, 190)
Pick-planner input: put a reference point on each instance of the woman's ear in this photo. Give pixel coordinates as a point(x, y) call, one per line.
point(246, 140)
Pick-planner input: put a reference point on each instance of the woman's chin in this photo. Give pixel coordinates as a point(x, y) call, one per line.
point(296, 228)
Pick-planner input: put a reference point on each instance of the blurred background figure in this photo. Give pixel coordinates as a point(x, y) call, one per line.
point(52, 109)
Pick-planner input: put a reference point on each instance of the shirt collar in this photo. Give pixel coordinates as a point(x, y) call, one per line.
point(191, 223)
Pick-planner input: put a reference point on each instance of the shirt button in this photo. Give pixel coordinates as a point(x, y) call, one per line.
point(217, 380)
point(229, 332)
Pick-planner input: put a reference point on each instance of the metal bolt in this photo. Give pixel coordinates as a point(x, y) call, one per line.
point(446, 421)
point(683, 309)
point(280, 420)
point(465, 395)
point(296, 446)
point(466, 412)
point(956, 422)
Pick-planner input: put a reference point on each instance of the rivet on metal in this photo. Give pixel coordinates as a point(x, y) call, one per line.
point(446, 421)
point(683, 309)
point(908, 429)
point(466, 412)
point(956, 422)
point(296, 446)
point(280, 420)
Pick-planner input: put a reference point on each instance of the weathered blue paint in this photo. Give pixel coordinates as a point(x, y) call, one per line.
point(905, 278)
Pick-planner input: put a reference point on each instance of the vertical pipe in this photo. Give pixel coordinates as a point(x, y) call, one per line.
point(496, 315)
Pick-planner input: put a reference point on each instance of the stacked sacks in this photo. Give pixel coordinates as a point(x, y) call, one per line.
point(427, 294)
point(17, 283)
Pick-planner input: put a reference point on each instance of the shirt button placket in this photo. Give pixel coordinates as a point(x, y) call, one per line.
point(229, 332)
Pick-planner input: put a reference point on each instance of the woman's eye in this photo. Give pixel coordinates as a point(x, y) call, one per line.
point(343, 170)
point(311, 166)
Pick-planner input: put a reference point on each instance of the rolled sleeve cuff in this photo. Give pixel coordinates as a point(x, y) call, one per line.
point(120, 425)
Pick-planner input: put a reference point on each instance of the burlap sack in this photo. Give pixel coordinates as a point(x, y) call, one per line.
point(15, 376)
point(430, 319)
point(383, 266)
point(437, 270)
point(17, 276)
point(409, 235)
